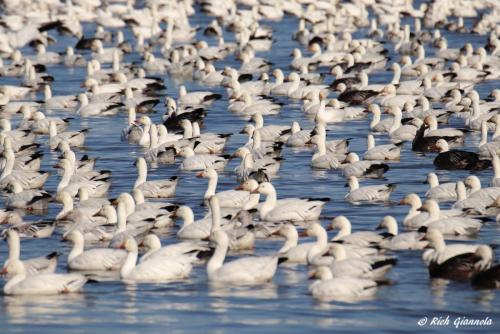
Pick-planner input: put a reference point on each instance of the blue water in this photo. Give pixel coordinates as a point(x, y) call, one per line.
point(283, 305)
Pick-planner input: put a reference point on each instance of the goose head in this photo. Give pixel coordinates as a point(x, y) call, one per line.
point(265, 188)
point(151, 242)
point(340, 223)
point(412, 200)
point(352, 183)
point(473, 183)
point(351, 158)
point(249, 185)
point(435, 239)
point(130, 245)
point(390, 224)
point(442, 146)
point(485, 254)
point(430, 206)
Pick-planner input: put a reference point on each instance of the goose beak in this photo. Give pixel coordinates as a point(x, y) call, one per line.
point(329, 228)
point(240, 187)
point(402, 202)
point(4, 271)
point(205, 239)
point(378, 228)
point(200, 174)
point(122, 245)
point(311, 274)
point(303, 234)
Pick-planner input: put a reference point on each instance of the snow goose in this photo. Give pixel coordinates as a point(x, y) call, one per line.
point(97, 182)
point(440, 192)
point(191, 229)
point(352, 166)
point(391, 99)
point(397, 131)
point(376, 125)
point(41, 123)
point(27, 199)
point(96, 259)
point(367, 193)
point(322, 159)
point(154, 249)
point(457, 159)
point(247, 270)
point(402, 241)
point(240, 237)
point(87, 108)
point(39, 265)
point(382, 152)
point(270, 132)
point(362, 238)
point(27, 179)
point(194, 161)
point(487, 272)
point(495, 181)
point(293, 209)
point(73, 138)
point(295, 252)
point(298, 137)
point(196, 98)
point(156, 188)
point(488, 195)
point(158, 269)
point(23, 136)
point(487, 149)
point(229, 198)
point(372, 267)
point(42, 284)
point(449, 225)
point(347, 289)
point(58, 102)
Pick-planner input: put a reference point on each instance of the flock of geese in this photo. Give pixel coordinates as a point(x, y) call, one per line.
point(339, 46)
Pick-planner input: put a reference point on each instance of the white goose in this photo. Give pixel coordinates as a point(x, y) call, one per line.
point(42, 284)
point(39, 265)
point(154, 249)
point(229, 198)
point(156, 188)
point(291, 209)
point(440, 192)
point(27, 179)
point(402, 241)
point(96, 259)
point(344, 235)
point(158, 269)
point(381, 152)
point(194, 161)
point(367, 193)
point(451, 225)
point(417, 218)
point(439, 251)
point(329, 288)
point(247, 270)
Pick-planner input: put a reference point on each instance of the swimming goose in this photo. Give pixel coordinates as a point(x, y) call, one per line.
point(42, 284)
point(73, 138)
point(159, 269)
point(27, 179)
point(329, 288)
point(194, 161)
point(27, 199)
point(367, 193)
point(457, 159)
point(440, 192)
point(372, 267)
point(247, 270)
point(293, 209)
point(270, 132)
point(362, 238)
point(196, 98)
point(322, 159)
point(450, 225)
point(92, 108)
point(376, 125)
point(39, 265)
point(60, 101)
point(382, 152)
point(155, 188)
point(488, 195)
point(229, 198)
point(397, 131)
point(95, 259)
point(298, 253)
point(486, 274)
point(97, 182)
point(402, 241)
point(298, 137)
point(352, 166)
point(154, 249)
